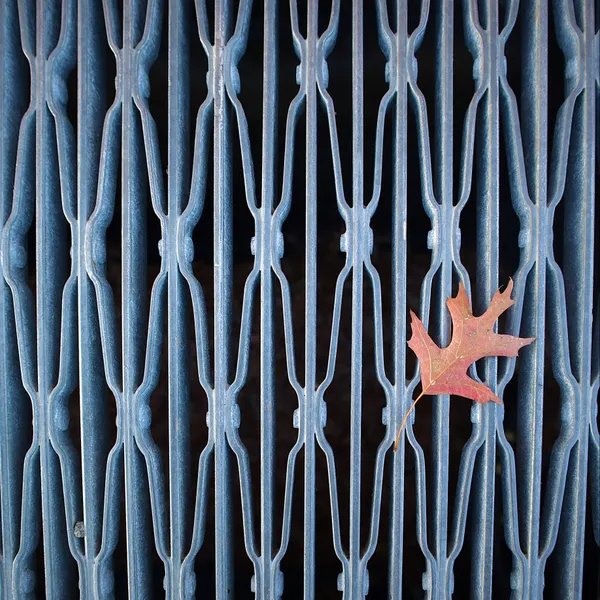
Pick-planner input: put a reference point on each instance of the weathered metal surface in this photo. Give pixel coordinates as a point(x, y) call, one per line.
point(214, 219)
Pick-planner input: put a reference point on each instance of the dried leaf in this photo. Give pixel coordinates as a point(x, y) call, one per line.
point(444, 370)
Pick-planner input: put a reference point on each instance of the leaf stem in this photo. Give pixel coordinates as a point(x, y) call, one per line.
point(412, 406)
point(423, 392)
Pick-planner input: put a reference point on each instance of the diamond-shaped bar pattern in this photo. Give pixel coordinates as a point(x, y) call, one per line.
point(132, 334)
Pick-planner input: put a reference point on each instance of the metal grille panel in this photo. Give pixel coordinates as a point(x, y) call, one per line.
point(132, 333)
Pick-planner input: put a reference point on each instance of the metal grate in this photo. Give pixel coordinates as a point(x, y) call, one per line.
point(200, 389)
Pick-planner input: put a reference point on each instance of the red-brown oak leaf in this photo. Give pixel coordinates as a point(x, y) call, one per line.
point(444, 370)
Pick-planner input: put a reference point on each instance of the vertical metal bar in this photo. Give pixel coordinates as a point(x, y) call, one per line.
point(48, 295)
point(13, 399)
point(14, 263)
point(444, 191)
point(432, 207)
point(488, 198)
point(279, 216)
point(185, 255)
point(178, 190)
point(531, 383)
point(93, 422)
point(399, 297)
point(310, 332)
point(61, 61)
point(359, 241)
point(269, 589)
point(95, 256)
point(524, 208)
point(390, 413)
point(579, 221)
point(222, 305)
point(133, 287)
